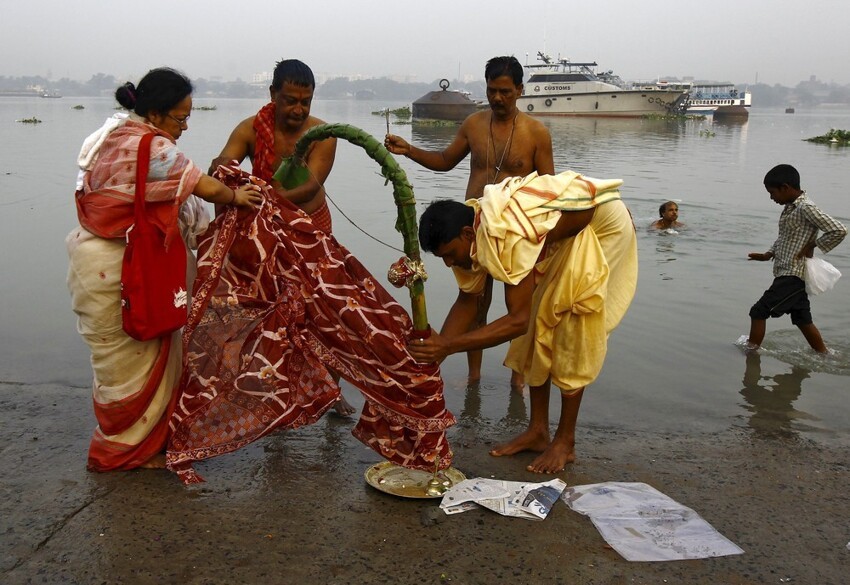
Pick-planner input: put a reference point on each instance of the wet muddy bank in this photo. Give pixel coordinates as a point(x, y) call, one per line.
point(294, 508)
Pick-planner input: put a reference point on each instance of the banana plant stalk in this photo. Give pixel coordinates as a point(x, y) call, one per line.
point(293, 172)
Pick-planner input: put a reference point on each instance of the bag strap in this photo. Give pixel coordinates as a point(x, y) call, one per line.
point(142, 164)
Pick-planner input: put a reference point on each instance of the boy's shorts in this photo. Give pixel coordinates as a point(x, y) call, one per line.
point(786, 295)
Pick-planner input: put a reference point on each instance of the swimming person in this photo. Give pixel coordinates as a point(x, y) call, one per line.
point(669, 216)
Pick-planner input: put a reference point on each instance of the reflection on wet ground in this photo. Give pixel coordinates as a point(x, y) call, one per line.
point(770, 399)
point(516, 415)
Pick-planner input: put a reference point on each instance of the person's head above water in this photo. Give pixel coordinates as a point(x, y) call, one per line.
point(670, 206)
point(669, 215)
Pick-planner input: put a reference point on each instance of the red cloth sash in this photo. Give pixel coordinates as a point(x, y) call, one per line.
point(265, 158)
point(264, 155)
point(322, 218)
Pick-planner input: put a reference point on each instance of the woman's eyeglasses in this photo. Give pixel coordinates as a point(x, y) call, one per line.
point(182, 121)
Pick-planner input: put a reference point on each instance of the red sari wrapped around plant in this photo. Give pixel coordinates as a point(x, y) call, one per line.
point(277, 304)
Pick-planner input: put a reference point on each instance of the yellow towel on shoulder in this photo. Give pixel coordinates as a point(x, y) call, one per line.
point(513, 217)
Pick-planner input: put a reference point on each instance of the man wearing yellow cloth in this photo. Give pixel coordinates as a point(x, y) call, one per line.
point(565, 248)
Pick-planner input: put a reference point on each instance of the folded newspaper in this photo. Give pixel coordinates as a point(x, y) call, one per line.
point(509, 498)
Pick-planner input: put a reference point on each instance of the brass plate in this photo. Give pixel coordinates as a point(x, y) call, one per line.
point(408, 483)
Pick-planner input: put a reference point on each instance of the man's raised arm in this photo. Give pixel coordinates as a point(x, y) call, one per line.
point(443, 160)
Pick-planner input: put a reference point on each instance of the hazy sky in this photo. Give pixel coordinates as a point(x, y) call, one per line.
point(771, 41)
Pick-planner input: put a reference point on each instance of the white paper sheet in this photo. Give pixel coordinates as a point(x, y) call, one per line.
point(642, 524)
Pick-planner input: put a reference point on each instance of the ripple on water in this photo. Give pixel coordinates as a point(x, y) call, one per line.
point(789, 346)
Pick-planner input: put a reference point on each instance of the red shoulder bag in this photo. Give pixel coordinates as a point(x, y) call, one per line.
point(153, 275)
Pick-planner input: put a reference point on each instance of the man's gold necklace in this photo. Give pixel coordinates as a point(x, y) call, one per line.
point(491, 140)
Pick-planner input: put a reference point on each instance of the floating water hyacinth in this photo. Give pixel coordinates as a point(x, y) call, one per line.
point(836, 137)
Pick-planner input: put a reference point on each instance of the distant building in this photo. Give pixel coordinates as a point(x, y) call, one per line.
point(262, 79)
point(407, 78)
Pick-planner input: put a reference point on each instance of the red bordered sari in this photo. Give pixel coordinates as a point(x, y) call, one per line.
point(135, 382)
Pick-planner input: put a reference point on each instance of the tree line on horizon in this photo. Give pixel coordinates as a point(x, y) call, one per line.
point(806, 93)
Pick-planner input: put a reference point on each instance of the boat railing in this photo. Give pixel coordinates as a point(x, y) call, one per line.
point(715, 95)
point(565, 65)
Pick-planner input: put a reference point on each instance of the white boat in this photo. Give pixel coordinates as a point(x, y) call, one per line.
point(563, 88)
point(711, 97)
point(718, 99)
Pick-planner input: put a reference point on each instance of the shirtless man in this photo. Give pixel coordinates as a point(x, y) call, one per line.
point(270, 136)
point(504, 142)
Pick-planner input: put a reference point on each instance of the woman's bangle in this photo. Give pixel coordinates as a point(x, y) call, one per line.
point(232, 197)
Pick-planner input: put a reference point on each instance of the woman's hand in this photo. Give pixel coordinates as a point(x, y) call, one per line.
point(247, 196)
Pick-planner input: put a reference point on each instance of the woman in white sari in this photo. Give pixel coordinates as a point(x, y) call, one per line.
point(135, 383)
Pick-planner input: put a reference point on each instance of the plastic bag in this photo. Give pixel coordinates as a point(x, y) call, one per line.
point(820, 276)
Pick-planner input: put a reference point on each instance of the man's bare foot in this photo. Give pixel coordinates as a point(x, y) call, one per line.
point(343, 407)
point(517, 382)
point(528, 441)
point(553, 459)
point(155, 462)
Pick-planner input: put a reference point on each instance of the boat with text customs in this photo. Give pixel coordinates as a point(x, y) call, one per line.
point(560, 87)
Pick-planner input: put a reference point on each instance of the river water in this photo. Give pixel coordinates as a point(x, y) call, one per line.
point(672, 365)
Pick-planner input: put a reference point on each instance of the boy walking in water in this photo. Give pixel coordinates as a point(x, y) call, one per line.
point(799, 224)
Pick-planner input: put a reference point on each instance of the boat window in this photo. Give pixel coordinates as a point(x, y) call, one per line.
point(557, 77)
